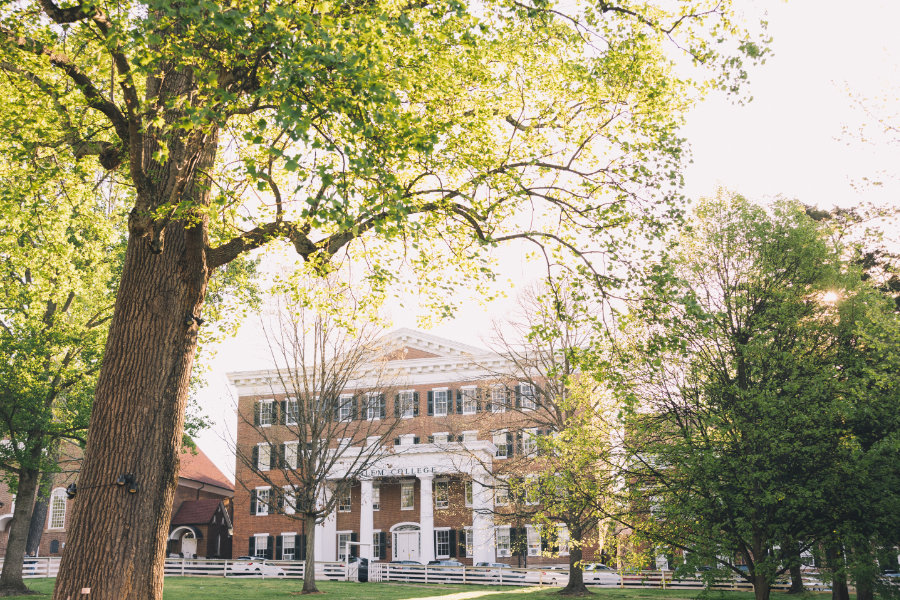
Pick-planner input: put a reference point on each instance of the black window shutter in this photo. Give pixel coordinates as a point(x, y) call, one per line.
point(452, 543)
point(251, 548)
point(415, 404)
point(273, 456)
point(430, 403)
point(381, 407)
point(382, 545)
point(354, 405)
point(518, 395)
point(337, 409)
point(461, 542)
point(270, 548)
point(282, 413)
point(430, 439)
point(256, 413)
point(278, 546)
point(300, 546)
point(397, 405)
point(255, 456)
point(519, 447)
point(415, 439)
point(435, 543)
point(252, 506)
point(354, 550)
point(482, 400)
point(396, 441)
point(363, 406)
point(458, 401)
point(510, 447)
point(279, 499)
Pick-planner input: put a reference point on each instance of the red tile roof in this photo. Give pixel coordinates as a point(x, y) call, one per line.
point(198, 467)
point(196, 512)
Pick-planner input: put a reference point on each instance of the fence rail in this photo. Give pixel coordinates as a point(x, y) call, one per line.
point(388, 572)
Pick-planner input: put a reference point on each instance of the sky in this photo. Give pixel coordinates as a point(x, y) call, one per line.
point(797, 138)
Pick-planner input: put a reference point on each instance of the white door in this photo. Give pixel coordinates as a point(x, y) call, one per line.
point(407, 545)
point(189, 545)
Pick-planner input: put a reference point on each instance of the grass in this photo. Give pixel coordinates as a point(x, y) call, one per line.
point(200, 588)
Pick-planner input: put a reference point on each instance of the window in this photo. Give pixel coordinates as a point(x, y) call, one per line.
point(498, 399)
point(343, 538)
point(440, 438)
point(266, 412)
point(345, 412)
point(344, 502)
point(290, 455)
point(562, 539)
point(290, 500)
point(469, 401)
point(526, 399)
point(287, 546)
point(500, 442)
point(501, 492)
point(533, 533)
point(57, 509)
point(374, 406)
point(531, 489)
point(263, 457)
point(407, 405)
point(503, 543)
point(291, 411)
point(470, 494)
point(441, 493)
point(469, 436)
point(262, 501)
point(407, 495)
point(376, 497)
point(441, 402)
point(261, 545)
point(442, 543)
point(470, 543)
point(529, 442)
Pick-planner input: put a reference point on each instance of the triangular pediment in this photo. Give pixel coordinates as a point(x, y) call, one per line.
point(410, 344)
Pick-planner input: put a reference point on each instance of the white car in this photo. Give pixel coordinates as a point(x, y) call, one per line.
point(600, 574)
point(250, 565)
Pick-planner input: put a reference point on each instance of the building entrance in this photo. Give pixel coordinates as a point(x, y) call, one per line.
point(406, 542)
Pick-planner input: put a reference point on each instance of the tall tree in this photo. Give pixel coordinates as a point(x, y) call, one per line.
point(734, 431)
point(446, 127)
point(58, 252)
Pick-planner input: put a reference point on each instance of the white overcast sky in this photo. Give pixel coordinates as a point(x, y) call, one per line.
point(790, 141)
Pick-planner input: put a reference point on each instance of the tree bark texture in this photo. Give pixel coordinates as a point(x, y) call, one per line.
point(575, 586)
point(761, 587)
point(11, 582)
point(136, 424)
point(309, 567)
point(834, 559)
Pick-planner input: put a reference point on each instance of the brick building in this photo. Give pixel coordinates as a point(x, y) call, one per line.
point(201, 511)
point(436, 492)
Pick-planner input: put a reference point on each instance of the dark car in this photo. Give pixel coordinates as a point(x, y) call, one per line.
point(496, 572)
point(446, 570)
point(362, 571)
point(406, 570)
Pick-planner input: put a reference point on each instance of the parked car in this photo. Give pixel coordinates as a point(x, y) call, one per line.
point(253, 565)
point(446, 570)
point(600, 574)
point(549, 575)
point(490, 571)
point(406, 570)
point(362, 570)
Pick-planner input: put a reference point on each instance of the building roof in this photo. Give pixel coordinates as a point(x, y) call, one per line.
point(196, 466)
point(196, 512)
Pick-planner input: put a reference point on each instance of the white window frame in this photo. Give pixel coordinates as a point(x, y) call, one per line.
point(269, 412)
point(469, 437)
point(441, 437)
point(261, 547)
point(57, 507)
point(502, 447)
point(345, 502)
point(293, 454)
point(262, 506)
point(531, 483)
point(469, 541)
point(376, 496)
point(407, 404)
point(562, 539)
point(533, 539)
point(532, 403)
point(291, 416)
point(498, 399)
point(407, 439)
point(345, 408)
point(290, 498)
point(292, 536)
point(502, 541)
point(411, 487)
point(263, 465)
point(434, 396)
point(438, 533)
point(442, 503)
point(529, 441)
point(469, 400)
point(342, 546)
point(501, 491)
point(469, 493)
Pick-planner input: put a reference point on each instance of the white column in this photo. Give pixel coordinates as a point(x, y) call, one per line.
point(366, 519)
point(326, 532)
point(426, 518)
point(483, 519)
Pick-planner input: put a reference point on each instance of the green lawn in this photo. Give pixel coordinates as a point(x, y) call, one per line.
point(199, 588)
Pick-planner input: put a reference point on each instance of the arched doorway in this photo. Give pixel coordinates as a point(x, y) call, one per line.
point(183, 540)
point(405, 541)
point(189, 544)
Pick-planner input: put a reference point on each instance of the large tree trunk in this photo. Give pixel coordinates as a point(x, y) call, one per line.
point(575, 586)
point(791, 556)
point(761, 586)
point(834, 559)
point(309, 567)
point(117, 540)
point(11, 583)
point(39, 514)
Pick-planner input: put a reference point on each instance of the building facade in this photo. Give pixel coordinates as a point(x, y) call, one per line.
point(435, 493)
